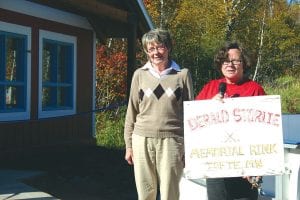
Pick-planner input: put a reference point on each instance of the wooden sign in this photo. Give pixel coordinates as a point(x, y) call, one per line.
point(239, 137)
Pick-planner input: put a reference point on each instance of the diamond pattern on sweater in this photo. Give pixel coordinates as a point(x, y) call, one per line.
point(159, 91)
point(178, 93)
point(141, 94)
point(148, 92)
point(169, 92)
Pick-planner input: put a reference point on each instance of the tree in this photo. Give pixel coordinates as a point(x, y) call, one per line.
point(268, 29)
point(163, 12)
point(111, 63)
point(281, 42)
point(198, 31)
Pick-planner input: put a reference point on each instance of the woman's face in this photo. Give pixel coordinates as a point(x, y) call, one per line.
point(158, 54)
point(233, 69)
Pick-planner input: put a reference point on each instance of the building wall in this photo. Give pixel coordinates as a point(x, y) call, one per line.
point(37, 131)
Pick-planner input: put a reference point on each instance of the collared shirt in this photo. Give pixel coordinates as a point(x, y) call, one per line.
point(165, 72)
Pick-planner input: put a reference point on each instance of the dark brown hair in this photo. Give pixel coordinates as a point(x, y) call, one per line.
point(222, 55)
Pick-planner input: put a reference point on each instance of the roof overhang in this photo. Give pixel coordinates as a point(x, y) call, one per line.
point(109, 18)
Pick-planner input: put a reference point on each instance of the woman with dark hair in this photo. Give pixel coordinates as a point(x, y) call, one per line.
point(234, 66)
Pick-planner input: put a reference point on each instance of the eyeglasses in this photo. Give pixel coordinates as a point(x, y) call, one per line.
point(234, 62)
point(157, 48)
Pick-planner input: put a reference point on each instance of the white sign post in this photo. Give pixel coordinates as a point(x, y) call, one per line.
point(240, 137)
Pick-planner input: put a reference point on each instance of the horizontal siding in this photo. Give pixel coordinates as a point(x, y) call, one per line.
point(22, 135)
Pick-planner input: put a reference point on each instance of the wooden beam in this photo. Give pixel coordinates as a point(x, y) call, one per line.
point(97, 8)
point(131, 52)
point(100, 35)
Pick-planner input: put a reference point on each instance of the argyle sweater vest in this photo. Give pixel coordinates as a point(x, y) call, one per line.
point(155, 107)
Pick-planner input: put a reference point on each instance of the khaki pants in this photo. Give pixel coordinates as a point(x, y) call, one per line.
point(158, 162)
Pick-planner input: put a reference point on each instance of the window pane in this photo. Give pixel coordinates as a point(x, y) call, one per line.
point(11, 97)
point(11, 63)
point(62, 75)
point(46, 101)
point(13, 100)
point(63, 95)
point(57, 75)
point(13, 72)
point(47, 57)
point(55, 97)
point(14, 59)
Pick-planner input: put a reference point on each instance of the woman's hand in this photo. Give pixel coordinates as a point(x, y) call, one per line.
point(255, 181)
point(219, 97)
point(129, 156)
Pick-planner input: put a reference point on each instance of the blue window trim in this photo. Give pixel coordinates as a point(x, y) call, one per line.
point(21, 72)
point(23, 32)
point(58, 38)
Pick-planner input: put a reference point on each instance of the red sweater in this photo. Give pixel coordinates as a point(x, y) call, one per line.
point(247, 88)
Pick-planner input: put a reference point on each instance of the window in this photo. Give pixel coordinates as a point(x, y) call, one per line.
point(15, 46)
point(57, 70)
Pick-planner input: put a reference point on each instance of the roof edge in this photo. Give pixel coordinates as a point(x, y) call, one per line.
point(146, 14)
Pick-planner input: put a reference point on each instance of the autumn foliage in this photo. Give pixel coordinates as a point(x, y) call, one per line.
point(111, 73)
point(111, 86)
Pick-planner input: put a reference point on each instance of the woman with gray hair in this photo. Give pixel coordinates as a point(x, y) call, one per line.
point(153, 129)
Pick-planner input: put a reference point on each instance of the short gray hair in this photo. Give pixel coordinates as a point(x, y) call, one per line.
point(160, 36)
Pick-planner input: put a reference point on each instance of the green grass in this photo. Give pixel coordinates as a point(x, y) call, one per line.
point(288, 87)
point(110, 128)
